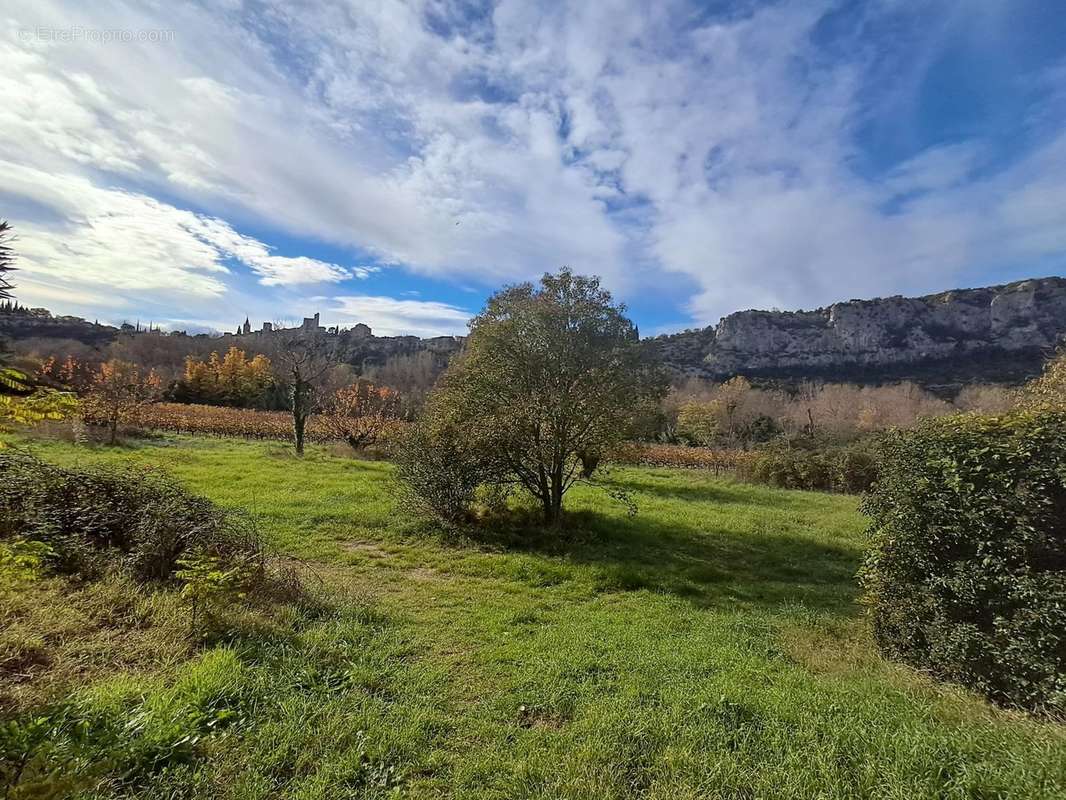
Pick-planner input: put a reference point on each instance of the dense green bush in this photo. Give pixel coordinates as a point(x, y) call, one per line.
point(441, 474)
point(966, 576)
point(85, 514)
point(836, 469)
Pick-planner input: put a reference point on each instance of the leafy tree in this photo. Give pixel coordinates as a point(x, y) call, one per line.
point(1048, 392)
point(731, 396)
point(360, 413)
point(442, 465)
point(698, 423)
point(232, 379)
point(22, 400)
point(551, 377)
point(118, 390)
point(24, 403)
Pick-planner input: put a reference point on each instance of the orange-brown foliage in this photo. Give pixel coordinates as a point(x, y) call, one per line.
point(225, 421)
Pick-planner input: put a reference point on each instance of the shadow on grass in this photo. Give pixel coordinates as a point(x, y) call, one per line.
point(713, 567)
point(718, 490)
point(751, 565)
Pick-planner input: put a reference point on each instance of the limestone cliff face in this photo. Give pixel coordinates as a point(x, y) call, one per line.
point(1016, 322)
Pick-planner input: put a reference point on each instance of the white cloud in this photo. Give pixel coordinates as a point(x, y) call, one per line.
point(116, 249)
point(388, 316)
point(120, 240)
point(637, 142)
point(272, 270)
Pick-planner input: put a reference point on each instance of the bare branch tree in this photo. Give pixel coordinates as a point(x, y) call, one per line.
point(303, 360)
point(7, 259)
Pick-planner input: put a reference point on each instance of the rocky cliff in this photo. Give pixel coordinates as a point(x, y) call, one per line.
point(997, 333)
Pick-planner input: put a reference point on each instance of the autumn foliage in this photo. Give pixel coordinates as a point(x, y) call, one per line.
point(117, 392)
point(230, 380)
point(69, 373)
point(361, 413)
point(246, 423)
point(1047, 392)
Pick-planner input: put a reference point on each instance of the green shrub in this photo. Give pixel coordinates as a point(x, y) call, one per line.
point(854, 470)
point(87, 513)
point(836, 469)
point(441, 473)
point(21, 560)
point(966, 576)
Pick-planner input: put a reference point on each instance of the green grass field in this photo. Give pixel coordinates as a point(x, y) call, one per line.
point(709, 647)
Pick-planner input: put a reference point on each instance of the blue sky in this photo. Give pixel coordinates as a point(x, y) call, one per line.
point(394, 162)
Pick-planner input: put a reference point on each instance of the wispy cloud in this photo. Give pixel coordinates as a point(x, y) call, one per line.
point(734, 154)
point(389, 316)
point(129, 241)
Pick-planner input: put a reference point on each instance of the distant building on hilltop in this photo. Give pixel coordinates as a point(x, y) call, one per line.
point(309, 325)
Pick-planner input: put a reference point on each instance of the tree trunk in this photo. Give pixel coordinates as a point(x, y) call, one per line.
point(549, 515)
point(299, 422)
point(113, 427)
point(299, 415)
point(557, 510)
point(553, 500)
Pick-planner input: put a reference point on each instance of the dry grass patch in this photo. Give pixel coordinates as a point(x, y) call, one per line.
point(57, 634)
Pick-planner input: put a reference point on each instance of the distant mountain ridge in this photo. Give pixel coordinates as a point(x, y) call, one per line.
point(1000, 334)
point(997, 334)
point(357, 345)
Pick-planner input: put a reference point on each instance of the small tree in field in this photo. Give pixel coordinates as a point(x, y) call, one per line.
point(304, 360)
point(118, 390)
point(551, 377)
point(361, 413)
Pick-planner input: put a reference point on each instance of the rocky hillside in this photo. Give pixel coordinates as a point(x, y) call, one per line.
point(39, 323)
point(998, 333)
point(39, 332)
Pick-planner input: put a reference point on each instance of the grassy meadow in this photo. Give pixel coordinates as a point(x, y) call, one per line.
point(710, 646)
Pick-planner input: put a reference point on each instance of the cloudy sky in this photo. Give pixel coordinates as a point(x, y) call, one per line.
point(394, 162)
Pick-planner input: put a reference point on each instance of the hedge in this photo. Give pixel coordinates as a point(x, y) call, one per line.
point(966, 575)
point(142, 516)
point(836, 469)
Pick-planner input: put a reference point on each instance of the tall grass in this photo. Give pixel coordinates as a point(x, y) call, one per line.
point(709, 647)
